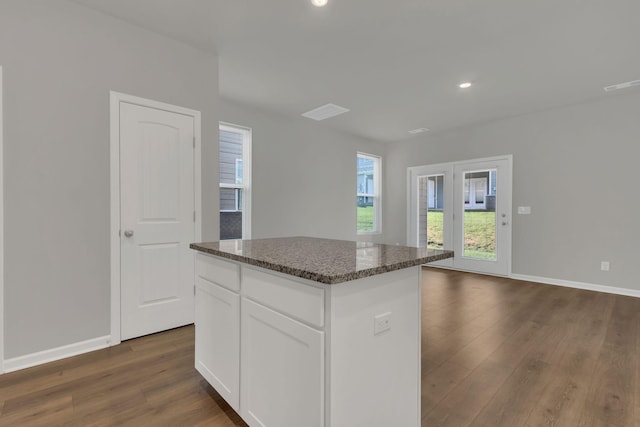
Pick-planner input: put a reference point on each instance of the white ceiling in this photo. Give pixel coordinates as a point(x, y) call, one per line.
point(396, 63)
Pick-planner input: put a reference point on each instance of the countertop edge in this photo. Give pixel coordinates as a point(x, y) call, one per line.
point(322, 278)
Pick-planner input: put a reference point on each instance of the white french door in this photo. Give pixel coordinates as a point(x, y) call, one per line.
point(157, 218)
point(464, 207)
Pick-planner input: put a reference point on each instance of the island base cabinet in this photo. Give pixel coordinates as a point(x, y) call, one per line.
point(375, 375)
point(217, 352)
point(282, 370)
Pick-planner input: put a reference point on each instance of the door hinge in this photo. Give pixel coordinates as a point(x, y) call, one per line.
point(194, 142)
point(194, 216)
point(194, 290)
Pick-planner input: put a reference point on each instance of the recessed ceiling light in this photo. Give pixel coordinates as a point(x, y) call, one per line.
point(319, 3)
point(624, 85)
point(419, 130)
point(324, 112)
point(464, 85)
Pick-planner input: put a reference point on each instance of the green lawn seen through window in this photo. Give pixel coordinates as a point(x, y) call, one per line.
point(479, 233)
point(365, 218)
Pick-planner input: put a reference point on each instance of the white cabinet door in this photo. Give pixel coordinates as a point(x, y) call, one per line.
point(218, 339)
point(282, 370)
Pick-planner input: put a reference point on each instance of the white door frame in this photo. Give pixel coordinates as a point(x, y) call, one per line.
point(447, 169)
point(116, 98)
point(1, 236)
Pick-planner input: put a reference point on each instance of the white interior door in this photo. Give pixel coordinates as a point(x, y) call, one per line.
point(157, 218)
point(464, 207)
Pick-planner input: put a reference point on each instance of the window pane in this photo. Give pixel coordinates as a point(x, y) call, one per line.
point(230, 225)
point(230, 199)
point(365, 176)
point(230, 157)
point(367, 188)
point(366, 221)
point(431, 228)
point(480, 217)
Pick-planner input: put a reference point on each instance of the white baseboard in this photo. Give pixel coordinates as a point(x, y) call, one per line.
point(58, 353)
point(557, 282)
point(578, 285)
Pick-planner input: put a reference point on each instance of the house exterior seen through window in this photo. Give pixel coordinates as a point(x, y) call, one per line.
point(368, 194)
point(235, 182)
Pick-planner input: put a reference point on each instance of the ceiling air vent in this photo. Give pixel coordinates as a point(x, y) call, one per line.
point(325, 112)
point(624, 85)
point(417, 131)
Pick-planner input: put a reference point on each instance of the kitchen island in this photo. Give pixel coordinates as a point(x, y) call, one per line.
point(311, 332)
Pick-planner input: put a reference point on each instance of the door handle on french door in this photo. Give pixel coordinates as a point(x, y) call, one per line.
point(128, 233)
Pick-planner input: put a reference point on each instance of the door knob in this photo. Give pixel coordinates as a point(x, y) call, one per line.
point(128, 233)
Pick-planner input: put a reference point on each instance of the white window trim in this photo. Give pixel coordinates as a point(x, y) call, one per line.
point(377, 194)
point(246, 174)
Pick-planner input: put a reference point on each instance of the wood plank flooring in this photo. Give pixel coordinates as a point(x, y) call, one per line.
point(496, 352)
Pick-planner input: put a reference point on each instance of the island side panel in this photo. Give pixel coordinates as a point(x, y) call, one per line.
point(217, 324)
point(375, 378)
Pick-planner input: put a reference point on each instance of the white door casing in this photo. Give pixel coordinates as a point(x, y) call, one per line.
point(155, 215)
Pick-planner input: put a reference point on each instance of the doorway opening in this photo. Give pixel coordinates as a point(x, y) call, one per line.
point(464, 207)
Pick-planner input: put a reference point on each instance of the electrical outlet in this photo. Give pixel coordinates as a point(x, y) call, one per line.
point(381, 323)
point(604, 266)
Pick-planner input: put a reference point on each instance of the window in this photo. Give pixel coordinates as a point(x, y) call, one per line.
point(235, 182)
point(368, 194)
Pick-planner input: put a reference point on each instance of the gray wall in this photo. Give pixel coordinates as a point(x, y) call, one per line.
point(60, 60)
point(303, 174)
point(574, 167)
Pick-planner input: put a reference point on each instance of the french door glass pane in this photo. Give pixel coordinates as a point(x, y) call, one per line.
point(479, 219)
point(430, 215)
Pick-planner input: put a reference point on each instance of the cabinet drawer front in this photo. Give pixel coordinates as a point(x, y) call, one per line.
point(295, 299)
point(215, 270)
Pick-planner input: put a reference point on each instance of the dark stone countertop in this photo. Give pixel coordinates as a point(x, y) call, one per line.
point(322, 260)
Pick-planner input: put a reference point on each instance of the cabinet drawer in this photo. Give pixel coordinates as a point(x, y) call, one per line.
point(295, 299)
point(215, 270)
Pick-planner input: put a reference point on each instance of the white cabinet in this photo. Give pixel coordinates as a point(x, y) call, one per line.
point(288, 352)
point(282, 370)
point(218, 339)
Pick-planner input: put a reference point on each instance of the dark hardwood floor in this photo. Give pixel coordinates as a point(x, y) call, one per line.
point(496, 352)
